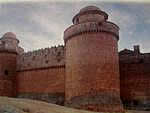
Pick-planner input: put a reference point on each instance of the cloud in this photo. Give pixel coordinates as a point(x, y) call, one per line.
point(42, 25)
point(137, 1)
point(35, 26)
point(148, 21)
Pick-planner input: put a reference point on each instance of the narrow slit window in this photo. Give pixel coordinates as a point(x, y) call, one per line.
point(6, 72)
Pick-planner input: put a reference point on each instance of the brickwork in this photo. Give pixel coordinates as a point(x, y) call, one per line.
point(42, 58)
point(91, 27)
point(6, 88)
point(46, 82)
point(7, 73)
point(84, 73)
point(97, 101)
point(135, 84)
point(50, 80)
point(90, 65)
point(55, 98)
point(92, 68)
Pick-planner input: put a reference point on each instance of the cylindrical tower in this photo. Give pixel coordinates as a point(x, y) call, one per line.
point(8, 56)
point(92, 71)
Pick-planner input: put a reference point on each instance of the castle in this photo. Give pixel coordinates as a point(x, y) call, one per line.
point(86, 73)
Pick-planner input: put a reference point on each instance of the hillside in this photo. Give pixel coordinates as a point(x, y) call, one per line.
point(13, 105)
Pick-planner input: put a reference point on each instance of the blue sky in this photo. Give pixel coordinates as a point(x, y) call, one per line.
point(41, 24)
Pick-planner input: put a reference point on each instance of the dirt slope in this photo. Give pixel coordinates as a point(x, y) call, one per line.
point(13, 105)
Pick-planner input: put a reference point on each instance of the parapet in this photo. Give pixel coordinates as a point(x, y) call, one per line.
point(42, 58)
point(91, 27)
point(91, 19)
point(133, 56)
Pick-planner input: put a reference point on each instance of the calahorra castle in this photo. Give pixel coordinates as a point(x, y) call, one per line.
point(86, 73)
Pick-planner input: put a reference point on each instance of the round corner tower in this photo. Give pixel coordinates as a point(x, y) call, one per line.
point(92, 80)
point(8, 57)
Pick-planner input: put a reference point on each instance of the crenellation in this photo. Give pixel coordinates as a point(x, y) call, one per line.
point(41, 58)
point(91, 27)
point(135, 75)
point(133, 57)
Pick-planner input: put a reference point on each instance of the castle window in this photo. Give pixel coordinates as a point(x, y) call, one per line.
point(6, 72)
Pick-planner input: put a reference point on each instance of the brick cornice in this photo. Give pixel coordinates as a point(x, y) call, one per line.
point(8, 51)
point(88, 27)
point(41, 68)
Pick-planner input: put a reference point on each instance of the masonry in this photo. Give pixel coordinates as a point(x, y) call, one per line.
point(40, 75)
point(135, 79)
point(87, 72)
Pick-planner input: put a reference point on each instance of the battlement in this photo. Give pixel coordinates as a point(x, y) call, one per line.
point(42, 58)
point(108, 27)
point(134, 78)
point(130, 56)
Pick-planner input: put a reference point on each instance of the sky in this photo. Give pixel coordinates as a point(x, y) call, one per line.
point(41, 23)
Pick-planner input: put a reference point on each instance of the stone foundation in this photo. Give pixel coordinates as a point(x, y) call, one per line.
point(137, 105)
point(55, 98)
point(98, 102)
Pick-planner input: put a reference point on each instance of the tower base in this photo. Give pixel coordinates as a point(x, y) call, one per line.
point(101, 102)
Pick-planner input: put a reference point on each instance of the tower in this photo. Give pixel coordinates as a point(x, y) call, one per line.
point(8, 54)
point(92, 80)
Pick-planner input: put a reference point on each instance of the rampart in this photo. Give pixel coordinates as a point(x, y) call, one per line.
point(135, 76)
point(108, 27)
point(40, 75)
point(42, 58)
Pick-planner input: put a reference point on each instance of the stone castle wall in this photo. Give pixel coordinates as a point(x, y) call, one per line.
point(40, 75)
point(7, 73)
point(135, 84)
point(42, 84)
point(92, 72)
point(43, 58)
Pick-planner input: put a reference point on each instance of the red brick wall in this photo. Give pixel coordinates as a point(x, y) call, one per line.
point(135, 82)
point(7, 74)
point(6, 88)
point(50, 80)
point(92, 66)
